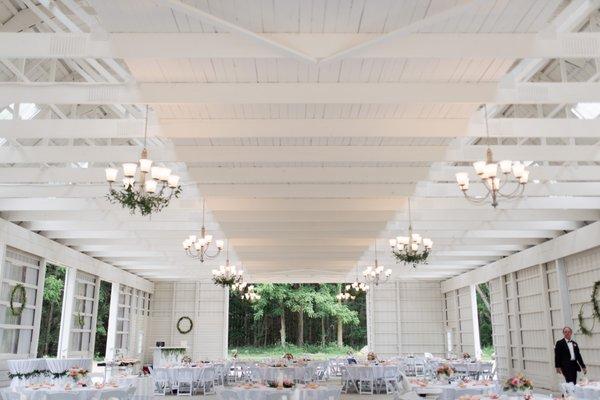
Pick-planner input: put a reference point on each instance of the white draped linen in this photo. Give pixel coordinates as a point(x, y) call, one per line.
point(264, 392)
point(26, 366)
point(57, 365)
point(172, 373)
point(454, 391)
point(581, 391)
point(88, 393)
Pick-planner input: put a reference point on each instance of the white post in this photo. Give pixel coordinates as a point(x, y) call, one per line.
point(111, 334)
point(563, 290)
point(475, 318)
point(225, 322)
point(64, 337)
point(92, 345)
point(39, 303)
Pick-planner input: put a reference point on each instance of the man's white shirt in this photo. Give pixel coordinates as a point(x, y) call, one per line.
point(571, 349)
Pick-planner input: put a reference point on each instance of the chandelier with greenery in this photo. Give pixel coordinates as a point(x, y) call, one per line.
point(227, 275)
point(198, 246)
point(149, 192)
point(412, 249)
point(246, 291)
point(376, 274)
point(493, 184)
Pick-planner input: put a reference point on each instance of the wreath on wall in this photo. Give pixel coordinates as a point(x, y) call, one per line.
point(182, 330)
point(18, 294)
point(595, 312)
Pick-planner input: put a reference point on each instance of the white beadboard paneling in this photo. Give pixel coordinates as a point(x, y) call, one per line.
point(205, 303)
point(405, 318)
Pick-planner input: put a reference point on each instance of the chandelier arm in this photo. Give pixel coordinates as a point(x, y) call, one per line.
point(519, 189)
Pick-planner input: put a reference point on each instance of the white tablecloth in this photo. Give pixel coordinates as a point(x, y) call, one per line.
point(588, 391)
point(57, 365)
point(297, 373)
point(261, 393)
point(453, 391)
point(26, 366)
point(173, 372)
point(76, 393)
point(362, 372)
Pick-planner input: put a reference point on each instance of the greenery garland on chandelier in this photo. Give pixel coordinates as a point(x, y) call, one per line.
point(19, 289)
point(595, 312)
point(145, 203)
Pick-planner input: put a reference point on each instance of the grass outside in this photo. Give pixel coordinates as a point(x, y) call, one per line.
point(313, 351)
point(486, 353)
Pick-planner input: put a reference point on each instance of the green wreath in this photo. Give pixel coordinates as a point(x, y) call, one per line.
point(19, 290)
point(180, 320)
point(595, 312)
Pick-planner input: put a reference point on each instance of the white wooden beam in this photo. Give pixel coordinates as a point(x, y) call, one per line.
point(241, 175)
point(300, 93)
point(577, 241)
point(233, 128)
point(227, 45)
point(221, 154)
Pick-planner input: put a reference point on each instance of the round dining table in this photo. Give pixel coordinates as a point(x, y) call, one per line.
point(302, 392)
point(454, 391)
point(76, 393)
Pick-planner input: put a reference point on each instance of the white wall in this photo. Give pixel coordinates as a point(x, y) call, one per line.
point(530, 304)
point(208, 307)
point(405, 318)
point(49, 251)
point(459, 321)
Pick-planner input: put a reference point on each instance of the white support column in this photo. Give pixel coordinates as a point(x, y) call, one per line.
point(475, 320)
point(398, 319)
point(370, 321)
point(94, 317)
point(67, 313)
point(563, 290)
point(225, 322)
point(38, 307)
point(111, 335)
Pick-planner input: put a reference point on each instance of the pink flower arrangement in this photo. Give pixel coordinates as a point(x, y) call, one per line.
point(518, 383)
point(445, 370)
point(77, 373)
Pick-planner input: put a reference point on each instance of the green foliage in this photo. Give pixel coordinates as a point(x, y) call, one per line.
point(102, 320)
point(143, 202)
point(313, 307)
point(487, 353)
point(595, 312)
point(276, 351)
point(18, 295)
point(54, 282)
point(411, 258)
point(485, 319)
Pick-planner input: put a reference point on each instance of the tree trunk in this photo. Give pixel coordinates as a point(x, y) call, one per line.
point(265, 326)
point(323, 332)
point(47, 330)
point(301, 328)
point(282, 330)
point(340, 333)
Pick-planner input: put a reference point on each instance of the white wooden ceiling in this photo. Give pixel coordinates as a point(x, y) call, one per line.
point(302, 177)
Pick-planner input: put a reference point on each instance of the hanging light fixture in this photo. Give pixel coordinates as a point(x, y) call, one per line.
point(151, 191)
point(488, 173)
point(227, 275)
point(246, 291)
point(412, 249)
point(376, 273)
point(353, 290)
point(198, 246)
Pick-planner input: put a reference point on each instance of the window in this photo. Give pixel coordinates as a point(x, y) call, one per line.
point(16, 332)
point(124, 318)
point(82, 322)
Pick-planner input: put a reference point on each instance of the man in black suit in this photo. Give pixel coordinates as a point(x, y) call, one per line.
point(567, 358)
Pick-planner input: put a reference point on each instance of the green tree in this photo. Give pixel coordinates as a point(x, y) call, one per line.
point(483, 311)
point(300, 299)
point(54, 285)
point(272, 302)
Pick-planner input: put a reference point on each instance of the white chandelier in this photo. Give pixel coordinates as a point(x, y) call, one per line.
point(145, 194)
point(376, 273)
point(412, 249)
point(488, 173)
point(198, 246)
point(352, 290)
point(246, 291)
point(227, 275)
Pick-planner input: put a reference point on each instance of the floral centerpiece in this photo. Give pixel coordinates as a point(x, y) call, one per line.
point(288, 356)
point(444, 371)
point(371, 356)
point(466, 356)
point(77, 373)
point(186, 359)
point(518, 384)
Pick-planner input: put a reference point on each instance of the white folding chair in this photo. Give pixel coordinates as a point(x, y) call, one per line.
point(207, 381)
point(185, 382)
point(161, 382)
point(366, 380)
point(7, 394)
point(131, 392)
